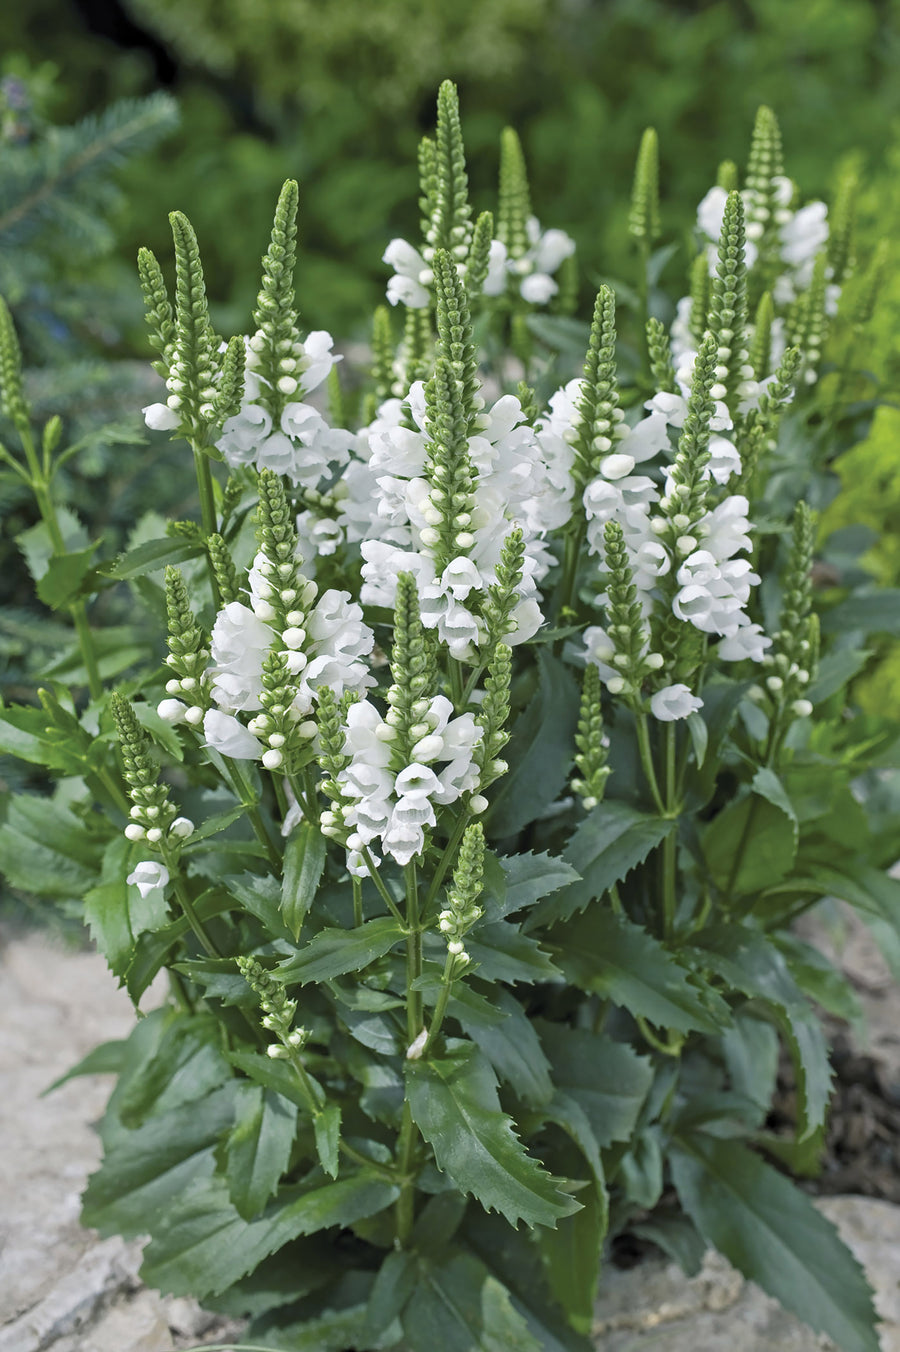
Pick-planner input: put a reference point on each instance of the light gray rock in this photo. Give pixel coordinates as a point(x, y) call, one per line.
point(654, 1306)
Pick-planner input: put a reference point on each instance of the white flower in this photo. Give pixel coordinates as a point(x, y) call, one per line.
point(412, 276)
point(239, 644)
point(711, 212)
point(160, 418)
point(181, 828)
point(317, 360)
point(227, 735)
point(171, 710)
point(748, 642)
point(724, 460)
point(148, 877)
point(243, 434)
point(674, 702)
point(497, 273)
point(805, 235)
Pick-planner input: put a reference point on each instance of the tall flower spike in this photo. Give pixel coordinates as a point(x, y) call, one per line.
point(276, 343)
point(413, 359)
point(514, 206)
point(445, 184)
point(842, 228)
point(158, 308)
point(381, 372)
point(727, 175)
point(12, 393)
point(195, 346)
point(598, 412)
point(503, 595)
point(278, 1010)
point(152, 815)
point(188, 657)
point(727, 317)
point(759, 429)
point(493, 715)
point(592, 746)
point(791, 664)
point(227, 403)
point(462, 910)
point(685, 501)
point(659, 349)
point(761, 346)
point(454, 329)
point(223, 569)
point(625, 628)
point(480, 253)
point(872, 282)
point(643, 219)
point(412, 670)
point(764, 181)
point(699, 292)
point(808, 322)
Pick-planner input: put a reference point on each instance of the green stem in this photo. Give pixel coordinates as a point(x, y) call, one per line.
point(243, 790)
point(357, 903)
point(571, 555)
point(643, 290)
point(206, 492)
point(405, 1212)
point(440, 1008)
point(446, 860)
point(380, 885)
point(456, 685)
point(643, 735)
point(207, 944)
point(670, 844)
point(671, 1048)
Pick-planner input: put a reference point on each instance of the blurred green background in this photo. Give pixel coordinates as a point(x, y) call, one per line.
point(337, 93)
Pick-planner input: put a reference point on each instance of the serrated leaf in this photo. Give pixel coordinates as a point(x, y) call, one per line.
point(510, 1043)
point(392, 1288)
point(458, 1306)
point(202, 1245)
point(271, 1074)
point(45, 850)
point(531, 877)
point(327, 1128)
point(261, 896)
point(571, 1255)
point(502, 952)
point(618, 960)
point(608, 1080)
point(454, 1103)
point(38, 548)
point(61, 582)
point(754, 966)
point(750, 845)
point(333, 952)
point(107, 1059)
point(773, 1234)
point(259, 1146)
point(540, 750)
point(148, 1169)
point(304, 860)
point(187, 1065)
point(151, 555)
point(608, 844)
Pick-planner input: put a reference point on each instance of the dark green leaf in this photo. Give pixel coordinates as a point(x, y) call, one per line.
point(753, 965)
point(107, 1059)
point(511, 1045)
point(750, 1049)
point(261, 896)
point(457, 1306)
point(304, 860)
point(65, 573)
point(327, 1127)
point(38, 548)
point(202, 1245)
point(866, 612)
point(608, 844)
point(275, 1075)
point(187, 1065)
point(151, 555)
point(835, 671)
point(454, 1103)
point(45, 850)
point(259, 1146)
point(540, 750)
point(530, 877)
point(393, 1286)
point(572, 1258)
point(606, 1079)
point(503, 953)
point(750, 845)
point(147, 1170)
point(773, 1234)
point(332, 952)
point(616, 959)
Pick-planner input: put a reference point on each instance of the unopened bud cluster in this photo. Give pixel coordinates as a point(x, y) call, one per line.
point(462, 910)
point(187, 687)
point(153, 817)
point(592, 746)
point(278, 1010)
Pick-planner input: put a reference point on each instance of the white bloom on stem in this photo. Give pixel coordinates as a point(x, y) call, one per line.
point(239, 644)
point(227, 735)
point(160, 418)
point(747, 643)
point(412, 275)
point(674, 702)
point(148, 877)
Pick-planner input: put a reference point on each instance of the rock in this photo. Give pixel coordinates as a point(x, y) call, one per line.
point(654, 1306)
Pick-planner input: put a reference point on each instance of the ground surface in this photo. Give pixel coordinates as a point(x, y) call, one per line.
point(64, 1290)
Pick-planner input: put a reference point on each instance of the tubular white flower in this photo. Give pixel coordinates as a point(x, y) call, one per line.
point(149, 877)
point(412, 276)
point(160, 418)
point(227, 735)
point(674, 702)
